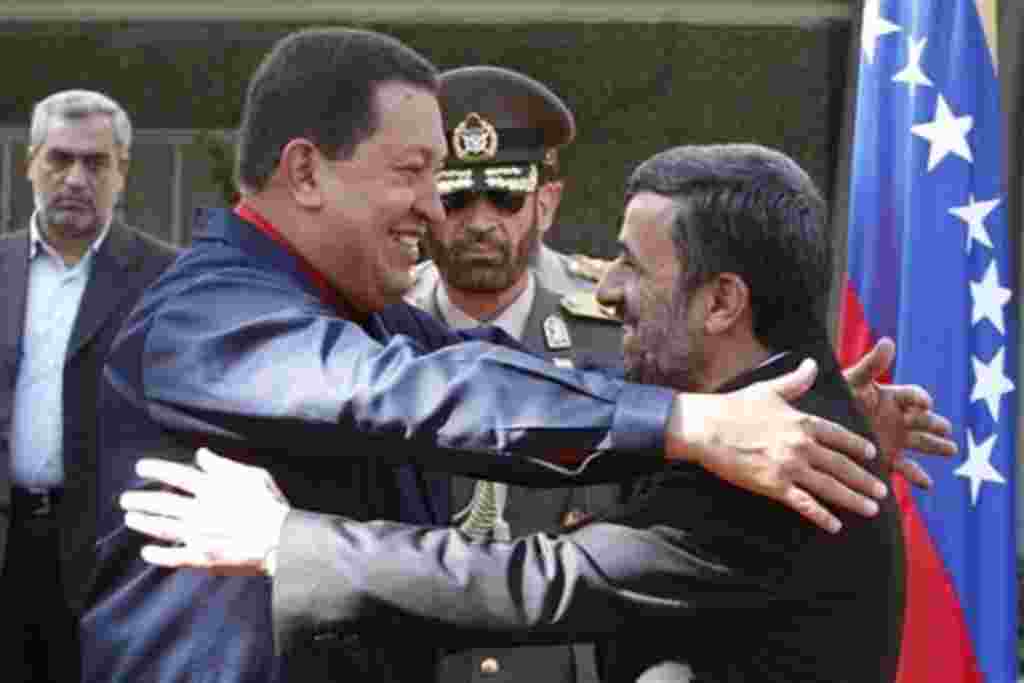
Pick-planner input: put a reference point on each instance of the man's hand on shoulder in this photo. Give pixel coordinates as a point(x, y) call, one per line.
point(756, 440)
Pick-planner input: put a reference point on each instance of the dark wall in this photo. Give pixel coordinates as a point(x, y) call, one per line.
point(635, 88)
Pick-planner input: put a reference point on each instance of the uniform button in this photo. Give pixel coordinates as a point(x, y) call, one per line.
point(490, 665)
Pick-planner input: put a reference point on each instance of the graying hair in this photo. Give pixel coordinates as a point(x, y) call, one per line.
point(69, 105)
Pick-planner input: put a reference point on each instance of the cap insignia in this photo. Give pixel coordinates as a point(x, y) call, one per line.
point(475, 139)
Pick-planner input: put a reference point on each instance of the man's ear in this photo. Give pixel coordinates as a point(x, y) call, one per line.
point(299, 170)
point(549, 197)
point(727, 302)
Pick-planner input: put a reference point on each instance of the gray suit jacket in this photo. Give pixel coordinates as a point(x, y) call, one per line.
point(125, 264)
point(528, 510)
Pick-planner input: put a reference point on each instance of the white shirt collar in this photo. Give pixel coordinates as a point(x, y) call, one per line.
point(512, 319)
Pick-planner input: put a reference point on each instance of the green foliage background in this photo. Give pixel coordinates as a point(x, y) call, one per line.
point(635, 88)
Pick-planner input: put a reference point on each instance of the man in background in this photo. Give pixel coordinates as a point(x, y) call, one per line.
point(69, 278)
point(523, 132)
point(501, 194)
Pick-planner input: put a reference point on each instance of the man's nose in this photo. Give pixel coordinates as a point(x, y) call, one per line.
point(77, 174)
point(480, 216)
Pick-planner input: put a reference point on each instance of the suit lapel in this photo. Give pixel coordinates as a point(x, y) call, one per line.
point(104, 290)
point(14, 275)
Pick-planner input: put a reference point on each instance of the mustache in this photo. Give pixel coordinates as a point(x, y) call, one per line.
point(474, 239)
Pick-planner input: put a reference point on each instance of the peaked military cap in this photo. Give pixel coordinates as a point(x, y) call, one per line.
point(501, 125)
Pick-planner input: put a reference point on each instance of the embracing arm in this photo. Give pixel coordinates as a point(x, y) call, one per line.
point(333, 573)
point(274, 367)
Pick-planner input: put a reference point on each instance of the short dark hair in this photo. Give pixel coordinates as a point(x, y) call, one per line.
point(752, 211)
point(320, 84)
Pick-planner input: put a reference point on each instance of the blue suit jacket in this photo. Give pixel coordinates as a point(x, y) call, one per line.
point(232, 348)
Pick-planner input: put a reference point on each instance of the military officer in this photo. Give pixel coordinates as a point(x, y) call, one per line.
point(558, 272)
point(501, 193)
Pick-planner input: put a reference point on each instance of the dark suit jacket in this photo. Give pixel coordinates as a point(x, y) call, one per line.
point(691, 570)
point(530, 509)
point(126, 262)
point(234, 348)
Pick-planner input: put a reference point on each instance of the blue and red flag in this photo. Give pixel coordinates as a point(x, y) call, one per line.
point(931, 265)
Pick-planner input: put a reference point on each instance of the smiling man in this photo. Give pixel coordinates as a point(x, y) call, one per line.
point(280, 337)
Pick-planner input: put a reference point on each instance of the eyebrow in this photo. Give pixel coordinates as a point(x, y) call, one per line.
point(62, 151)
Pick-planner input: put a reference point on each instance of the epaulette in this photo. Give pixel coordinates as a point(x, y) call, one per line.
point(587, 267)
point(586, 305)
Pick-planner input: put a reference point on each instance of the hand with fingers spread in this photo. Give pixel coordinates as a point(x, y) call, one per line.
point(900, 414)
point(223, 516)
point(754, 439)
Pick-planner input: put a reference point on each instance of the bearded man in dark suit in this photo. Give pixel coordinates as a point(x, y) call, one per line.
point(69, 278)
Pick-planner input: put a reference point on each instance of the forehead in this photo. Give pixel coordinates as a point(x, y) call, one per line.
point(409, 121)
point(93, 133)
point(647, 226)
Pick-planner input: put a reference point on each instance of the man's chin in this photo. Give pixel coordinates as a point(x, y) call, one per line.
point(74, 224)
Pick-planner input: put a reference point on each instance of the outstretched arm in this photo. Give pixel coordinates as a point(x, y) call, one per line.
point(277, 372)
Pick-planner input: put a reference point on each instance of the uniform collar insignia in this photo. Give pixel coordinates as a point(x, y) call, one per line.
point(556, 333)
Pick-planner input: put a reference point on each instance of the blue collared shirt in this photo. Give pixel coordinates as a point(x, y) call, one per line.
point(37, 425)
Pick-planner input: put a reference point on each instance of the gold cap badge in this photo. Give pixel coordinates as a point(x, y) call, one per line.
point(475, 139)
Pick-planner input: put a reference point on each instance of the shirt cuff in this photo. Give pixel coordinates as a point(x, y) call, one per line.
point(641, 418)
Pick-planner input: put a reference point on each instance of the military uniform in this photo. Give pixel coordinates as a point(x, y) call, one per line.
point(569, 335)
point(503, 130)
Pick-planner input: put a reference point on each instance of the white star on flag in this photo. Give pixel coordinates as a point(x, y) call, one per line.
point(991, 382)
point(974, 214)
point(978, 467)
point(873, 27)
point(946, 133)
point(912, 73)
point(989, 298)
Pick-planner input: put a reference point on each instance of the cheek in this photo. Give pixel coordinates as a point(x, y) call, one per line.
point(397, 200)
point(108, 188)
point(44, 183)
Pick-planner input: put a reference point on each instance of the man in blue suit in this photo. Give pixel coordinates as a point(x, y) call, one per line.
point(280, 338)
